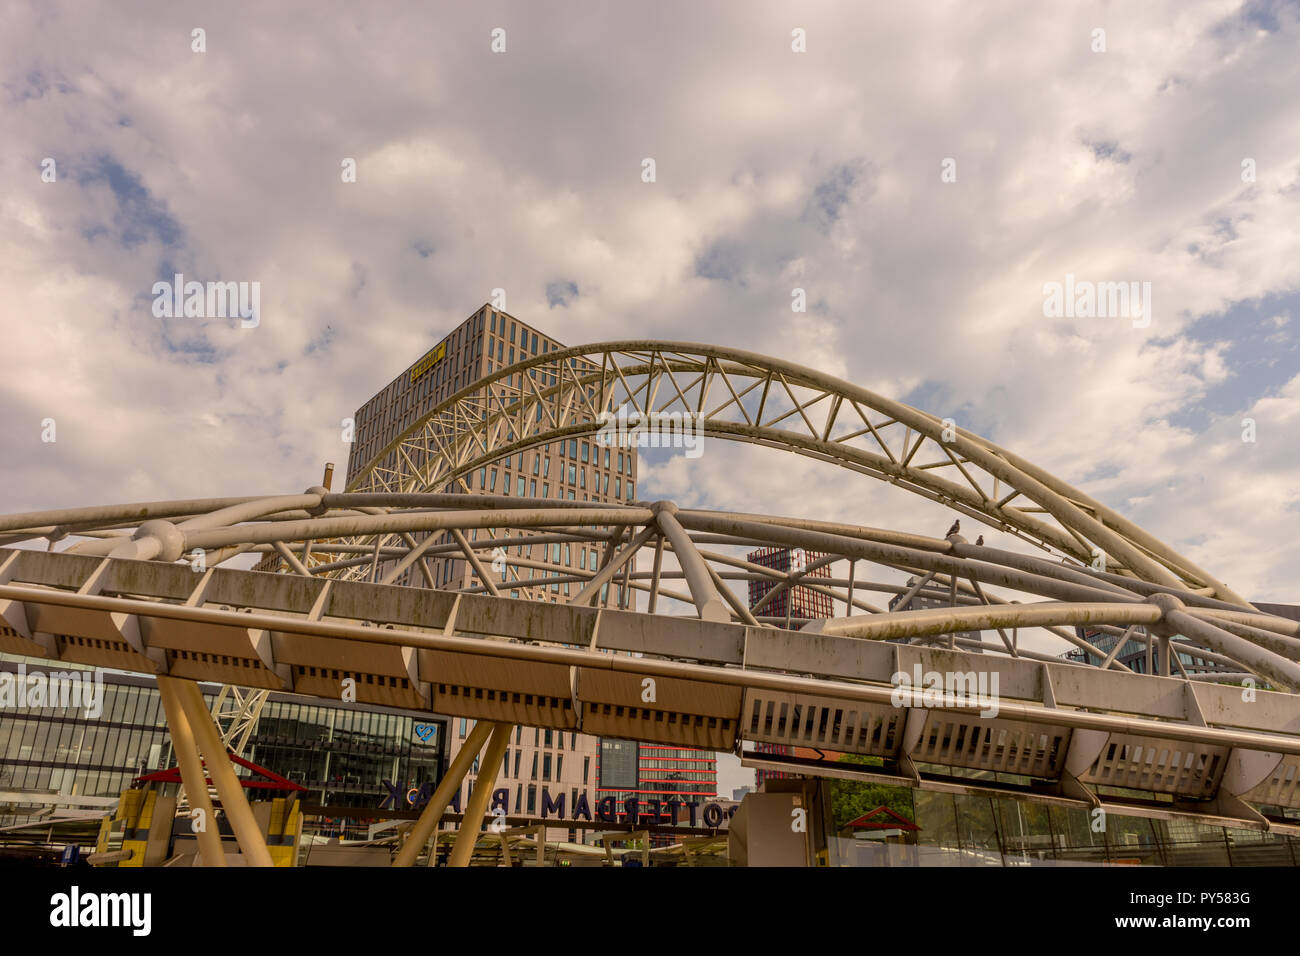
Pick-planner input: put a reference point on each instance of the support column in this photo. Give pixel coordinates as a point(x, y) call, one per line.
point(472, 819)
point(233, 801)
point(193, 778)
point(451, 780)
point(707, 601)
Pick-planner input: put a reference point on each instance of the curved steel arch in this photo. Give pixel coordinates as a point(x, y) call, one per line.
point(744, 396)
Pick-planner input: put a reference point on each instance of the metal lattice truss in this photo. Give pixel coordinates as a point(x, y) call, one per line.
point(143, 587)
point(743, 396)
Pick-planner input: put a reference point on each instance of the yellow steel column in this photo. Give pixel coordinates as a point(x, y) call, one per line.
point(232, 796)
point(472, 819)
point(192, 775)
point(451, 781)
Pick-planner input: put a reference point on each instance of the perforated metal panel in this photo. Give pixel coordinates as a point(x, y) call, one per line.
point(491, 688)
point(954, 739)
point(659, 726)
point(490, 703)
point(823, 722)
point(1282, 788)
point(1161, 766)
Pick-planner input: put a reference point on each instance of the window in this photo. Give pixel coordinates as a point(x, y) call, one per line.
point(606, 457)
point(493, 486)
point(618, 487)
point(620, 463)
point(586, 450)
point(533, 775)
point(583, 477)
point(522, 487)
point(537, 461)
point(606, 484)
point(532, 798)
point(630, 493)
point(532, 487)
point(573, 475)
point(546, 469)
point(586, 769)
point(546, 767)
point(549, 738)
point(505, 484)
point(573, 448)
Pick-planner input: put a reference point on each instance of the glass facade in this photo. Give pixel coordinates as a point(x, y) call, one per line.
point(62, 750)
point(343, 754)
point(977, 830)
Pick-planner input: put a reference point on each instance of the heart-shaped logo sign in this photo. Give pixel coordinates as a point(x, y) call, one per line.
point(425, 731)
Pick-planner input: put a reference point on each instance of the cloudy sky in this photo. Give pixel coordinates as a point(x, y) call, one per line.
point(1171, 156)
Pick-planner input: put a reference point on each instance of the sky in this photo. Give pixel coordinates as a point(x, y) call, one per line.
point(922, 171)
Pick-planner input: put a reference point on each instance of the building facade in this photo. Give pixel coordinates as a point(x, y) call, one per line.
point(539, 762)
point(343, 754)
point(797, 604)
point(927, 599)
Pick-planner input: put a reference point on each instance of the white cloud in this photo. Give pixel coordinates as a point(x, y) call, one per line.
point(820, 170)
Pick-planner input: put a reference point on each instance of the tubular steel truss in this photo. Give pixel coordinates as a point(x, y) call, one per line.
point(142, 588)
point(748, 397)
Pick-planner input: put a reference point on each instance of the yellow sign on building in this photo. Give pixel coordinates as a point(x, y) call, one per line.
point(429, 361)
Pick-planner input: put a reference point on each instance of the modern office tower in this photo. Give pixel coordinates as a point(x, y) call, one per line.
point(654, 772)
point(1133, 654)
point(575, 469)
point(796, 604)
point(927, 598)
point(793, 606)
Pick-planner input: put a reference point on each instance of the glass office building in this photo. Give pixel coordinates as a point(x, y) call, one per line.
point(343, 754)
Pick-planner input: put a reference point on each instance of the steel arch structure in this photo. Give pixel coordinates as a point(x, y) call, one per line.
point(142, 587)
point(744, 396)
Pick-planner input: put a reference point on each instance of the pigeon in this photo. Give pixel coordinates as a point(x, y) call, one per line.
point(979, 540)
point(956, 526)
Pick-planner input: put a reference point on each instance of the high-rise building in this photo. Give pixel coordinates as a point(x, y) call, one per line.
point(657, 772)
point(1133, 654)
point(574, 469)
point(794, 605)
point(922, 600)
point(799, 603)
